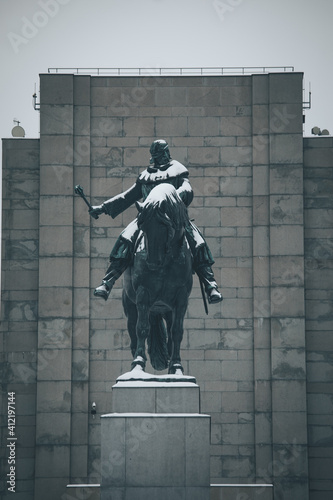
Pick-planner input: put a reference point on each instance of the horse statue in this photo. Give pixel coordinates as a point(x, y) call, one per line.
point(158, 283)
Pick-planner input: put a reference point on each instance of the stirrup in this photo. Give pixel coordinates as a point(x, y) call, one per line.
point(102, 291)
point(214, 296)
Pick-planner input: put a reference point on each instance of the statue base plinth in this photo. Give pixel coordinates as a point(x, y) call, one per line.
point(155, 444)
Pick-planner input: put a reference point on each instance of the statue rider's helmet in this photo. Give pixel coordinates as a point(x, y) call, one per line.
point(160, 154)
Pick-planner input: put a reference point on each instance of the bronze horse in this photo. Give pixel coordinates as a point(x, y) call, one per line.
point(158, 283)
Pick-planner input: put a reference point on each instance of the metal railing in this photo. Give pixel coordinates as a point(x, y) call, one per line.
point(174, 71)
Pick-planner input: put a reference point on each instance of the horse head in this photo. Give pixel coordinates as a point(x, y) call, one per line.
point(162, 217)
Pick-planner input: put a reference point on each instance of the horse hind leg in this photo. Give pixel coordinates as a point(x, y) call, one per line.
point(175, 364)
point(177, 331)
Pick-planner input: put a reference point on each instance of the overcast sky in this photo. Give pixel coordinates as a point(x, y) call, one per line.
point(38, 34)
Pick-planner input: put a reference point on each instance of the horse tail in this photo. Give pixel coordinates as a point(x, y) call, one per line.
point(157, 343)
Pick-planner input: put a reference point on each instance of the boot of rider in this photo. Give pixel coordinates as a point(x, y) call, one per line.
point(206, 276)
point(107, 283)
point(203, 261)
point(120, 259)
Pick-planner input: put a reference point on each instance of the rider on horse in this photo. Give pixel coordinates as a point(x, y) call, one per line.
point(163, 169)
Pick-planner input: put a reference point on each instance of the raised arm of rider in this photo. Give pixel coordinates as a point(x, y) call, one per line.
point(116, 205)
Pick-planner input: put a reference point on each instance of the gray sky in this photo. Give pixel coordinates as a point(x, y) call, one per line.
point(38, 34)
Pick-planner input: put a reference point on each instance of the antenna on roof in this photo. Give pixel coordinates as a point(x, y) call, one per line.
point(36, 105)
point(18, 131)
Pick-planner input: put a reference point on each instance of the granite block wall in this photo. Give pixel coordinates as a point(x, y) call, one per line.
point(318, 238)
point(19, 311)
point(241, 139)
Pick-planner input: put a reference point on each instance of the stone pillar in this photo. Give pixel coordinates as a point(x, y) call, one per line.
point(160, 449)
point(278, 285)
point(81, 283)
point(55, 311)
point(261, 277)
point(289, 418)
point(318, 239)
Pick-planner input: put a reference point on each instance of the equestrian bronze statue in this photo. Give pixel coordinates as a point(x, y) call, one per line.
point(158, 252)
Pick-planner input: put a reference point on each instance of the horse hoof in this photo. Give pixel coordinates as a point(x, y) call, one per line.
point(138, 363)
point(176, 369)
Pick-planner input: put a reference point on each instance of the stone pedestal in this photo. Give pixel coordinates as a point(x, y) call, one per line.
point(155, 444)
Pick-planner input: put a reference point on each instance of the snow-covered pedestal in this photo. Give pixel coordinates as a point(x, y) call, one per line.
point(155, 444)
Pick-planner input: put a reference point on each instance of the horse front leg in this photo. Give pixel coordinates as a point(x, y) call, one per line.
point(132, 317)
point(177, 331)
point(142, 328)
point(175, 364)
